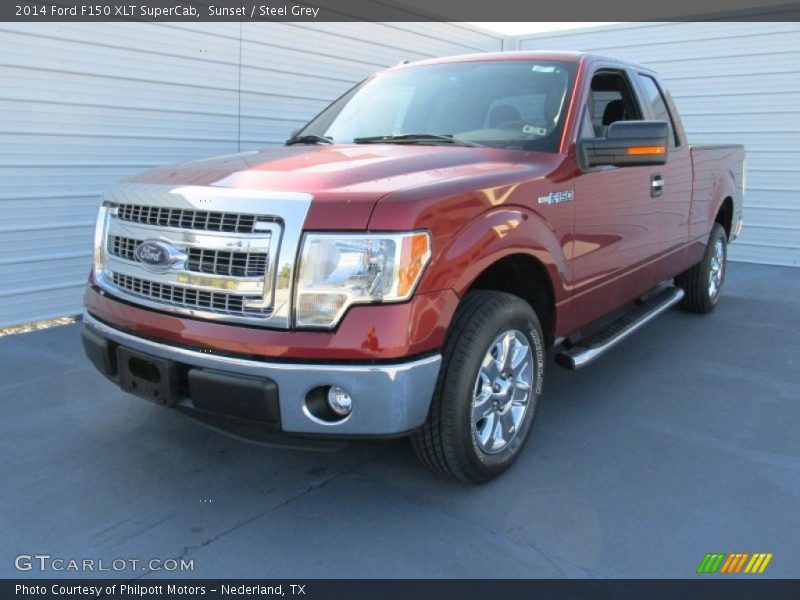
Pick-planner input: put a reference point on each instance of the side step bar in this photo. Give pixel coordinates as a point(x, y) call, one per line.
point(612, 334)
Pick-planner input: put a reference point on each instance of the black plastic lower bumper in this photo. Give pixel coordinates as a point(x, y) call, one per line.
point(241, 405)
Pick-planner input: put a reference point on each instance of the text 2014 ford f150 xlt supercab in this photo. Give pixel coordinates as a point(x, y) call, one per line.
point(401, 265)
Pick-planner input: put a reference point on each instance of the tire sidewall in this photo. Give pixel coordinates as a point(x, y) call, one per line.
point(461, 383)
point(717, 233)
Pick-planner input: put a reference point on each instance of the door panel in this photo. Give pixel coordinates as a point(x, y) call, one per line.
point(617, 236)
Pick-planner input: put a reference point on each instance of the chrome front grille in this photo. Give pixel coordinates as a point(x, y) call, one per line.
point(200, 260)
point(183, 259)
point(208, 252)
point(181, 218)
point(232, 304)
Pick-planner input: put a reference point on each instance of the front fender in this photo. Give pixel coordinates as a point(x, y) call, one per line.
point(492, 236)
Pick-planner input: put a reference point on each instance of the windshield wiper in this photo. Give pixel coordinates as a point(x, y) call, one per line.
point(309, 139)
point(413, 138)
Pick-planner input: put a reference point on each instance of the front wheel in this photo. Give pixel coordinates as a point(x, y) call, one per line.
point(488, 390)
point(703, 282)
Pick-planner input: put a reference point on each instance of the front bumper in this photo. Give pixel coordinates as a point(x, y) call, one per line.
point(388, 399)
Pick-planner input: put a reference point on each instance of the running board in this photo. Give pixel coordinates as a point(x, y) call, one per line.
point(612, 334)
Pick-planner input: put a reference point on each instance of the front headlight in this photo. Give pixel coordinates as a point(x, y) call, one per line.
point(338, 270)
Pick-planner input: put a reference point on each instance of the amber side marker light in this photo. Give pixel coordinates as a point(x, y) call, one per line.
point(415, 254)
point(636, 150)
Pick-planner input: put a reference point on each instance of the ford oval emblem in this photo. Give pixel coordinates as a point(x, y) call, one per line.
point(156, 255)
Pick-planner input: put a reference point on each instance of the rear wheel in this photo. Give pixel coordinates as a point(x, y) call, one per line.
point(703, 282)
point(488, 390)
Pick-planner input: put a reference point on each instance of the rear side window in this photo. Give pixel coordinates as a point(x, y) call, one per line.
point(654, 97)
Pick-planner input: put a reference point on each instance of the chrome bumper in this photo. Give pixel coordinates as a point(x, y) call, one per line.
point(387, 399)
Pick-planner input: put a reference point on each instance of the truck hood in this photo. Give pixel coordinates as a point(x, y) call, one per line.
point(357, 175)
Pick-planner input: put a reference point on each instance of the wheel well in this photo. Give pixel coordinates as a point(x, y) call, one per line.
point(526, 277)
point(725, 215)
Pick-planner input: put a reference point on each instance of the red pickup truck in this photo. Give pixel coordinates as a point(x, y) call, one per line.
point(403, 263)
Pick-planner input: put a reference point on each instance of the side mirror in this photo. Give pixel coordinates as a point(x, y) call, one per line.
point(627, 143)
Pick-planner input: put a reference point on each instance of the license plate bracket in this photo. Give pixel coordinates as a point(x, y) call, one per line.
point(149, 377)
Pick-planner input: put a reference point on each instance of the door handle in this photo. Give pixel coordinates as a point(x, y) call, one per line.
point(656, 185)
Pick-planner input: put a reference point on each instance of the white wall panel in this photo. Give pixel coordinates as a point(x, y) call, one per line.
point(85, 104)
point(733, 83)
point(290, 71)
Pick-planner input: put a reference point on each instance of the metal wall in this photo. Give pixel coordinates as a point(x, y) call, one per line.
point(732, 82)
point(83, 105)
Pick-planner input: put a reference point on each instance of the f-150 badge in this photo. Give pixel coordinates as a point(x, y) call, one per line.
point(556, 197)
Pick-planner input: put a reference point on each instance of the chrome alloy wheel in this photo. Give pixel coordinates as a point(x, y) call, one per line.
point(502, 391)
point(716, 272)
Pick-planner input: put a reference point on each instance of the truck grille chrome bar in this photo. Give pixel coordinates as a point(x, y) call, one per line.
point(231, 304)
point(122, 246)
point(200, 260)
point(219, 262)
point(180, 218)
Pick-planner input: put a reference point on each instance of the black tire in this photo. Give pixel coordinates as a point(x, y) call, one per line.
point(696, 280)
point(447, 442)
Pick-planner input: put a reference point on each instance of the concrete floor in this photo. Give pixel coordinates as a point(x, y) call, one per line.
point(681, 441)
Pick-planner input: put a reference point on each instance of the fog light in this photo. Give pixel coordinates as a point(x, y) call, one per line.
point(339, 401)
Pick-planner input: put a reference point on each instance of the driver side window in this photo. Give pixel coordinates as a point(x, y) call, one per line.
point(610, 100)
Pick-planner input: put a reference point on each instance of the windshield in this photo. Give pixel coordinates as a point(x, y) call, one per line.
point(517, 104)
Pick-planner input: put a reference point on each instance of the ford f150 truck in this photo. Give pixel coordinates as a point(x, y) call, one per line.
point(404, 262)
